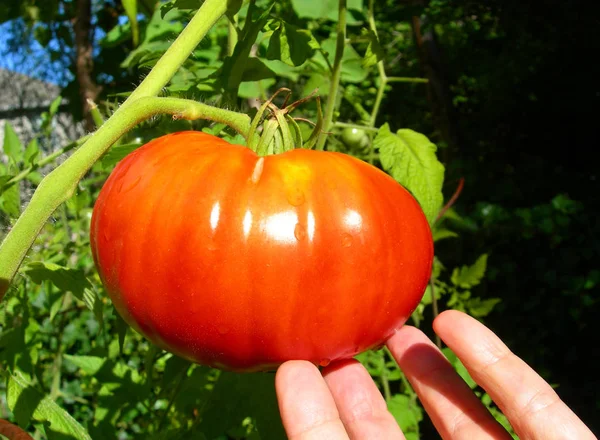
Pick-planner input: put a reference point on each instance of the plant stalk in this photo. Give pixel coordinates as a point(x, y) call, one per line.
point(335, 75)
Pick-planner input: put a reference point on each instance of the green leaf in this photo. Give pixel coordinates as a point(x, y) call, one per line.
point(255, 89)
point(410, 158)
point(10, 200)
point(54, 106)
point(291, 44)
point(237, 396)
point(479, 308)
point(179, 4)
point(440, 234)
point(469, 276)
point(406, 412)
point(92, 302)
point(157, 39)
point(28, 404)
point(232, 72)
point(352, 69)
point(71, 280)
point(256, 70)
point(121, 327)
point(88, 364)
point(12, 145)
point(325, 9)
point(130, 7)
point(116, 154)
point(374, 52)
point(31, 152)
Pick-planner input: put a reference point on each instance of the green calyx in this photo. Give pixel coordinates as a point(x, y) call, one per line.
point(273, 130)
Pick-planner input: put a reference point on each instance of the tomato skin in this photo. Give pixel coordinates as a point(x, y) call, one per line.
point(241, 262)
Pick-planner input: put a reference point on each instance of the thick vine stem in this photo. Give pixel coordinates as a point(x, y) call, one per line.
point(58, 186)
point(335, 75)
point(208, 14)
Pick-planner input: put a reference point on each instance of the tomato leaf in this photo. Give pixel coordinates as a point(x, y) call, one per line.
point(10, 200)
point(256, 70)
point(469, 276)
point(156, 39)
point(233, 69)
point(237, 396)
point(28, 404)
point(65, 279)
point(374, 52)
point(88, 364)
point(407, 413)
point(116, 154)
point(179, 4)
point(352, 68)
point(121, 328)
point(92, 301)
point(291, 44)
point(31, 152)
point(12, 145)
point(440, 234)
point(326, 9)
point(479, 308)
point(409, 157)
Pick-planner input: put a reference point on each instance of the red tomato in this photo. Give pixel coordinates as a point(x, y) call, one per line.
point(243, 262)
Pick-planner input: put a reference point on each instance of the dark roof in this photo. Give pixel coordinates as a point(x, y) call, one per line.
point(18, 91)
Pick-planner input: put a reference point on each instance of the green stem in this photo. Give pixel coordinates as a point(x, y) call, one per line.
point(208, 14)
point(357, 126)
point(383, 79)
point(58, 186)
point(405, 79)
point(45, 161)
point(182, 378)
point(335, 75)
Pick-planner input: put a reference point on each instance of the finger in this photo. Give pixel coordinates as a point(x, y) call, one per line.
point(453, 408)
point(307, 408)
point(361, 406)
point(531, 405)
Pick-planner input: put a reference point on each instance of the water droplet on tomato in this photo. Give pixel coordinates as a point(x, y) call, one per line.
point(324, 362)
point(295, 196)
point(223, 330)
point(347, 240)
point(299, 232)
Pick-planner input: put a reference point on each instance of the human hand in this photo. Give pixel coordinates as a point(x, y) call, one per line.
point(344, 402)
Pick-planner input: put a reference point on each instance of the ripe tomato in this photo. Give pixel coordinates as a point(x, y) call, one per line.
point(243, 262)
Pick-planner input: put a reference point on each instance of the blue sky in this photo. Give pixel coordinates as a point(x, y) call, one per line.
point(30, 58)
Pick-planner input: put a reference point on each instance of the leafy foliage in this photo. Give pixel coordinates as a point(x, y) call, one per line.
point(72, 369)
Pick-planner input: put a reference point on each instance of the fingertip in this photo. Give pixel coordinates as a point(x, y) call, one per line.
point(293, 372)
point(406, 337)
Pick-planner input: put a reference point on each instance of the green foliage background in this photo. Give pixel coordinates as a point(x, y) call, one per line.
point(518, 249)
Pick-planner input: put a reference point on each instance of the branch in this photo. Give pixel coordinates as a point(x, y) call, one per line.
point(335, 75)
